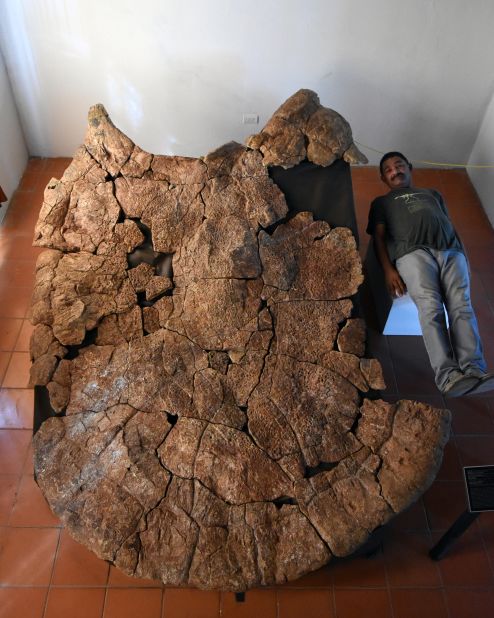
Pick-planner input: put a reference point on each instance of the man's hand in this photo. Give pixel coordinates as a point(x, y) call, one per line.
point(395, 284)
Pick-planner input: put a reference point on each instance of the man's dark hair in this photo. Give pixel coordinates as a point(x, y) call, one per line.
point(391, 154)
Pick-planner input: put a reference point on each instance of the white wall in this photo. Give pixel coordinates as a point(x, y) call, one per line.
point(483, 154)
point(13, 151)
point(176, 75)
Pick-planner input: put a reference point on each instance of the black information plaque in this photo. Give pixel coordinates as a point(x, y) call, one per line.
point(479, 481)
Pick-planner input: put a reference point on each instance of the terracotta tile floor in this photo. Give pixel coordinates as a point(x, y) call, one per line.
point(45, 574)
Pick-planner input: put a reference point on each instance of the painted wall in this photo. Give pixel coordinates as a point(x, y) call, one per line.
point(177, 75)
point(483, 154)
point(13, 151)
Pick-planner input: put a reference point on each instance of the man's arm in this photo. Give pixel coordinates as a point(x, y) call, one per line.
point(395, 284)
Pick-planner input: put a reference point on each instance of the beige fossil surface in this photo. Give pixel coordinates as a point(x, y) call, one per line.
point(216, 422)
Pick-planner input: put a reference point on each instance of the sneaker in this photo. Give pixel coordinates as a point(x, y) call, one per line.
point(459, 385)
point(485, 383)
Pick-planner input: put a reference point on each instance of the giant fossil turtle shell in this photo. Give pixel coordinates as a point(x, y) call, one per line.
point(209, 382)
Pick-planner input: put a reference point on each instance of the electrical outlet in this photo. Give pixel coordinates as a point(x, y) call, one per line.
point(250, 119)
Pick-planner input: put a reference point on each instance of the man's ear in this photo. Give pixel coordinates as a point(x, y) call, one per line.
point(410, 166)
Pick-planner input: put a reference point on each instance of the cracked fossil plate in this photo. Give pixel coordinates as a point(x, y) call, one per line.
point(212, 426)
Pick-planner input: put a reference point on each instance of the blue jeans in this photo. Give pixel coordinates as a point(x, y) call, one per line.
point(434, 278)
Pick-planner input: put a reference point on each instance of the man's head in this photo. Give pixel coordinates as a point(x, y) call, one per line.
point(396, 170)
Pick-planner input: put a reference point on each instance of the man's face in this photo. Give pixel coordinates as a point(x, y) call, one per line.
point(396, 173)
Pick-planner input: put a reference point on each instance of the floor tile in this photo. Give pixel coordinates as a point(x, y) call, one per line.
point(414, 518)
point(4, 531)
point(474, 602)
point(17, 248)
point(56, 166)
point(407, 560)
point(427, 177)
point(75, 603)
point(476, 450)
point(309, 603)
point(444, 502)
point(36, 164)
point(29, 180)
point(13, 449)
point(466, 563)
point(22, 343)
point(455, 175)
point(25, 203)
point(360, 572)
point(190, 603)
point(4, 363)
point(486, 325)
point(365, 173)
point(481, 259)
point(451, 468)
point(471, 415)
point(478, 290)
point(27, 556)
point(8, 492)
point(322, 578)
point(458, 191)
point(119, 579)
point(414, 375)
point(20, 224)
point(478, 236)
point(468, 215)
point(129, 603)
point(435, 400)
point(22, 602)
point(28, 467)
point(30, 508)
point(358, 603)
point(16, 408)
point(75, 565)
point(415, 602)
point(486, 527)
point(17, 374)
point(14, 301)
point(489, 354)
point(18, 272)
point(257, 603)
point(9, 332)
point(488, 284)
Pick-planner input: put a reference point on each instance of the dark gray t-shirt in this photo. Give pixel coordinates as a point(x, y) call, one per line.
point(414, 219)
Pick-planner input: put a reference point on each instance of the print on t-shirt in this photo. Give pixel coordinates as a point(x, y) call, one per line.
point(413, 201)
